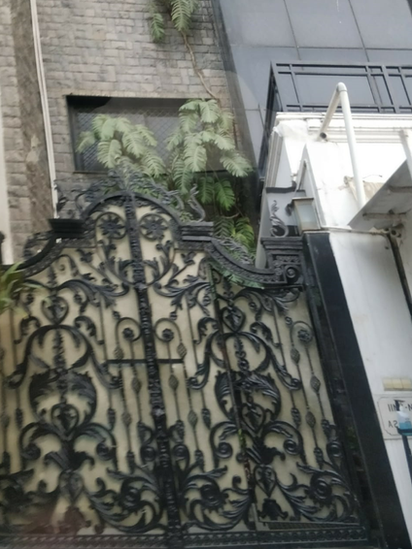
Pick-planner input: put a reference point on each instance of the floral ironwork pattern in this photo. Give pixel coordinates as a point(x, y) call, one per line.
point(146, 394)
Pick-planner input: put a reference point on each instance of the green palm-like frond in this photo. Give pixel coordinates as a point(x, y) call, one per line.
point(209, 111)
point(175, 139)
point(223, 227)
point(235, 164)
point(206, 188)
point(226, 121)
point(157, 24)
point(224, 194)
point(207, 136)
point(104, 126)
point(153, 165)
point(11, 283)
point(133, 144)
point(192, 105)
point(188, 121)
point(86, 140)
point(224, 142)
point(123, 125)
point(182, 177)
point(97, 124)
point(195, 154)
point(203, 135)
point(182, 11)
point(146, 135)
point(109, 153)
point(244, 232)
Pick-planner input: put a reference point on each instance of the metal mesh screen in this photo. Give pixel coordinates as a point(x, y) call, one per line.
point(159, 115)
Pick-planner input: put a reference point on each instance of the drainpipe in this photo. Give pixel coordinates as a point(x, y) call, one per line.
point(6, 255)
point(341, 97)
point(44, 101)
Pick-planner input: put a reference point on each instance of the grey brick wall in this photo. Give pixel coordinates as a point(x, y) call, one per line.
point(95, 47)
point(27, 175)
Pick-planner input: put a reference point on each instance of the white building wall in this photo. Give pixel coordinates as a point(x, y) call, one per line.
point(365, 260)
point(383, 327)
point(329, 169)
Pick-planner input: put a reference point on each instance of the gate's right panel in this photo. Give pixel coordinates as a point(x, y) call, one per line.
point(290, 444)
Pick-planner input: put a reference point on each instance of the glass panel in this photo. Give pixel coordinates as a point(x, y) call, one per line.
point(384, 24)
point(263, 23)
point(318, 89)
point(323, 23)
point(400, 97)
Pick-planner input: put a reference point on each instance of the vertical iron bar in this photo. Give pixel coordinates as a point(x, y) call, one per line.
point(2, 237)
point(158, 410)
point(405, 442)
point(236, 398)
point(408, 454)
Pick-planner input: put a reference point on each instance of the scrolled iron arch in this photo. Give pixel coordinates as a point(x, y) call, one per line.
point(186, 235)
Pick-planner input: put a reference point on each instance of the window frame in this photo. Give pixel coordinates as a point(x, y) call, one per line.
point(76, 102)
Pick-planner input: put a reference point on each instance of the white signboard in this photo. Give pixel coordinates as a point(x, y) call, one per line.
point(386, 407)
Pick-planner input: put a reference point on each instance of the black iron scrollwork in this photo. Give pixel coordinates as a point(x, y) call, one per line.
point(279, 228)
point(144, 393)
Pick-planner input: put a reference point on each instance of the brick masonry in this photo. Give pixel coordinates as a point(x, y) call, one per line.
point(28, 184)
point(94, 47)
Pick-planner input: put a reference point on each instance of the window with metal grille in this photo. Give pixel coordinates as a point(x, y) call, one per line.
point(159, 115)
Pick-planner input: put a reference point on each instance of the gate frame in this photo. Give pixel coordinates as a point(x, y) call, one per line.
point(286, 269)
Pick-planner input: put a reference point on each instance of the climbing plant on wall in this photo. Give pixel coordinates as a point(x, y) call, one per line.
point(11, 283)
point(216, 138)
point(180, 12)
point(202, 155)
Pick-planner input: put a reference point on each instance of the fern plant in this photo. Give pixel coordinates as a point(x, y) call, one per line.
point(119, 141)
point(180, 12)
point(202, 154)
point(11, 283)
point(203, 148)
point(157, 23)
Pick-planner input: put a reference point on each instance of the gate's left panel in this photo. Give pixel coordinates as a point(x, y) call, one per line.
point(78, 449)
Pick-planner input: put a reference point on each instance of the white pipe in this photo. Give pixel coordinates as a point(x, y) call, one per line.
point(341, 97)
point(406, 141)
point(44, 101)
point(7, 248)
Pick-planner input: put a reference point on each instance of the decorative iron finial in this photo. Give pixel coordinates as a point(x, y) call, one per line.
point(279, 228)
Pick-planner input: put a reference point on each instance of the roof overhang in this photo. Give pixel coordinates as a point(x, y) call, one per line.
point(388, 207)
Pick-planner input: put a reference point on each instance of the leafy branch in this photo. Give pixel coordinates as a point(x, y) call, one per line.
point(180, 13)
point(11, 283)
point(202, 154)
point(120, 141)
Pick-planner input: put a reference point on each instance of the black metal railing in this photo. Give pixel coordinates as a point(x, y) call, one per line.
point(308, 87)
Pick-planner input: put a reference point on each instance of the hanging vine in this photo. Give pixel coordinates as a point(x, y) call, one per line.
point(203, 153)
point(180, 13)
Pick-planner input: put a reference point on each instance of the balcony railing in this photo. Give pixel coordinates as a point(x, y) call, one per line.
point(308, 87)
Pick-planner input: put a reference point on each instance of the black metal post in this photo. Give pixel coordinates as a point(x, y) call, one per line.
point(343, 361)
point(406, 446)
point(408, 454)
point(2, 237)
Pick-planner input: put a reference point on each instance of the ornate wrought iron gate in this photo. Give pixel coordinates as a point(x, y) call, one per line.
point(159, 394)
